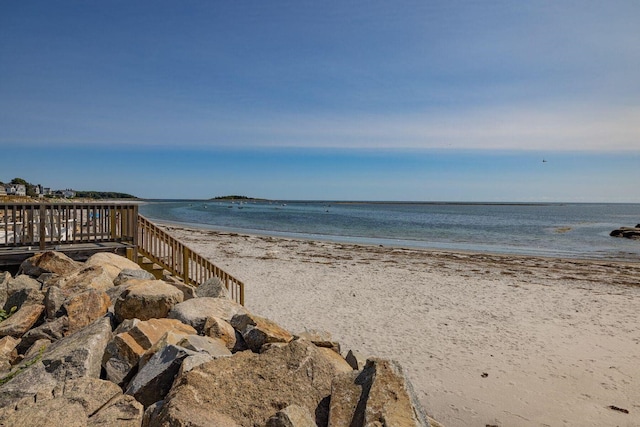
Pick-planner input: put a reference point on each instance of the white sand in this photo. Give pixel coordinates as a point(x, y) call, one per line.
point(558, 340)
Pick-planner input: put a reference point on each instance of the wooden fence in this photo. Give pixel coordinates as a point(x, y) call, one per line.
point(43, 225)
point(166, 251)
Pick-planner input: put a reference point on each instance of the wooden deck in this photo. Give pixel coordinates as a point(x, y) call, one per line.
point(80, 230)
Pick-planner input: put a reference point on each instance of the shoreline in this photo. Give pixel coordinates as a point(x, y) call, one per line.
point(558, 339)
point(346, 240)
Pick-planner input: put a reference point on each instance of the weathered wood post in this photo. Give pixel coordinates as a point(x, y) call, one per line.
point(185, 264)
point(42, 225)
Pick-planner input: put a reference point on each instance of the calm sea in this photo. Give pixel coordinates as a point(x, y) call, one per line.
point(563, 230)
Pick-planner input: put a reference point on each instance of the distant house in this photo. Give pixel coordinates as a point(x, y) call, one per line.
point(46, 191)
point(67, 194)
point(16, 190)
point(3, 191)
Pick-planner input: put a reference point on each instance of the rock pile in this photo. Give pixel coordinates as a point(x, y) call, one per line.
point(106, 344)
point(628, 232)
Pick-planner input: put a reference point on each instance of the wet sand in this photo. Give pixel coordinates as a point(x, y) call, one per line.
point(487, 340)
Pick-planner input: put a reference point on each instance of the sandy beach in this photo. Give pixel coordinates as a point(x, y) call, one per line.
point(487, 340)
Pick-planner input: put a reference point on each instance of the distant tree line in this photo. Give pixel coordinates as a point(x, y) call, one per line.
point(103, 195)
point(98, 195)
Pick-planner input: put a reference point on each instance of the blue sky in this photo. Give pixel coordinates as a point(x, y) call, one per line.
point(408, 100)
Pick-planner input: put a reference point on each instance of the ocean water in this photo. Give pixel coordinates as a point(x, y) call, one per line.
point(560, 230)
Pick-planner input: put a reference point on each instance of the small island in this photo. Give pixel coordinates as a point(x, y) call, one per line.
point(234, 197)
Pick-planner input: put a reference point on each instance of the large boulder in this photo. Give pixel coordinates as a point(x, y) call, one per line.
point(155, 379)
point(195, 311)
point(77, 402)
point(249, 388)
point(90, 277)
point(258, 331)
point(84, 308)
point(147, 300)
point(133, 338)
point(213, 288)
point(380, 394)
point(80, 354)
point(22, 290)
point(106, 258)
point(21, 321)
point(48, 262)
point(44, 374)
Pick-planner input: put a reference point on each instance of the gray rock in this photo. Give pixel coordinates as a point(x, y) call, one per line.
point(116, 292)
point(5, 277)
point(151, 413)
point(213, 288)
point(212, 346)
point(292, 416)
point(195, 311)
point(154, 381)
point(194, 361)
point(53, 300)
point(80, 354)
point(133, 339)
point(22, 281)
point(26, 383)
point(22, 290)
point(380, 394)
point(52, 331)
point(37, 348)
point(24, 297)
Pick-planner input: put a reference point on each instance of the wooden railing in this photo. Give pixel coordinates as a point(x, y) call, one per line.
point(46, 226)
point(42, 225)
point(171, 254)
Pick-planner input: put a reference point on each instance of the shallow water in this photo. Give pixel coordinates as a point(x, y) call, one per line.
point(562, 230)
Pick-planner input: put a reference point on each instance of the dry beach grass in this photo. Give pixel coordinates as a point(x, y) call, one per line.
point(485, 339)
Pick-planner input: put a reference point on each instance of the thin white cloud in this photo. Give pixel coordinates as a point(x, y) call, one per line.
point(555, 128)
